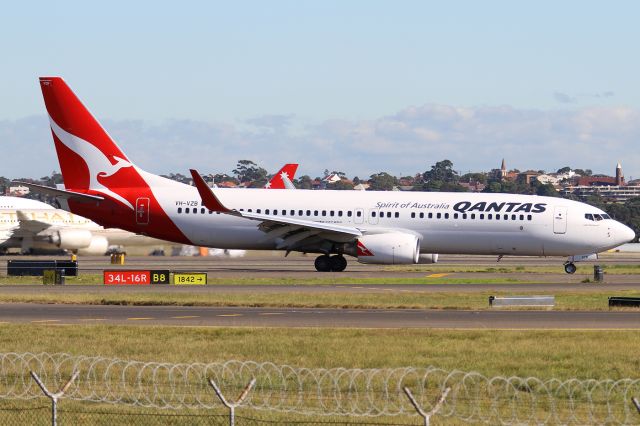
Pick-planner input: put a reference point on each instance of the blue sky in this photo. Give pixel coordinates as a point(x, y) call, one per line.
point(543, 83)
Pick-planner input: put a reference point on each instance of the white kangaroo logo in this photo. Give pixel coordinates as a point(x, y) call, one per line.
point(98, 163)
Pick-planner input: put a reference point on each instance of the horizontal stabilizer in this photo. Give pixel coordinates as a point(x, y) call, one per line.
point(61, 193)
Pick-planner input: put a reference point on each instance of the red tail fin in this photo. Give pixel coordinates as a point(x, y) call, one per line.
point(288, 171)
point(78, 136)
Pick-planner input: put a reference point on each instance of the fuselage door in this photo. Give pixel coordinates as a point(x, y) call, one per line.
point(560, 220)
point(358, 216)
point(142, 211)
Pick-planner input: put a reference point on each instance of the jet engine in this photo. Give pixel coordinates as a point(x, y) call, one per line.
point(98, 246)
point(71, 239)
point(426, 258)
point(390, 248)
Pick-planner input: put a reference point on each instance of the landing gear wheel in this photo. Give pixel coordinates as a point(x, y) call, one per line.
point(323, 263)
point(570, 268)
point(338, 263)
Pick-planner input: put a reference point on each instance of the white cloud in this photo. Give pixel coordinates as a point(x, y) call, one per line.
point(408, 142)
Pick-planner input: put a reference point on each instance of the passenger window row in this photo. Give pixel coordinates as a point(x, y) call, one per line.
point(276, 212)
point(472, 216)
point(195, 210)
point(389, 214)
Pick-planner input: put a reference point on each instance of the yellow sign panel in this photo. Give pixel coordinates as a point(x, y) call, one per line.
point(189, 278)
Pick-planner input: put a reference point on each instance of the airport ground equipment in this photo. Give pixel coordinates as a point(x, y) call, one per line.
point(598, 273)
point(53, 276)
point(624, 302)
point(517, 301)
point(36, 268)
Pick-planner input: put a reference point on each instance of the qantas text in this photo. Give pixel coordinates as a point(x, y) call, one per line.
point(483, 206)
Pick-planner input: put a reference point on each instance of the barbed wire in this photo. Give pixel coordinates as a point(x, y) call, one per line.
point(319, 391)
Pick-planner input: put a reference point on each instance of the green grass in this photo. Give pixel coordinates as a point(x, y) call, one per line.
point(544, 354)
point(595, 299)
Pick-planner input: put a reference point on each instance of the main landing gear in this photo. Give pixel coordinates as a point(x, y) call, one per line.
point(570, 267)
point(325, 263)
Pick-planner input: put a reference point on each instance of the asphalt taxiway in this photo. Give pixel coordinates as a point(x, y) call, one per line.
point(297, 317)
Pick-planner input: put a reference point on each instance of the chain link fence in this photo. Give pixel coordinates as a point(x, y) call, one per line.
point(115, 391)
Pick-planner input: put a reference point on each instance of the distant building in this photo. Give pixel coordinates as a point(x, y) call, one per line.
point(332, 178)
point(361, 187)
point(528, 176)
point(502, 173)
point(473, 186)
point(556, 179)
point(610, 188)
point(18, 191)
point(615, 193)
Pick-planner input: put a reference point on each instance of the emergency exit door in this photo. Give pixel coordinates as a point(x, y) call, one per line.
point(560, 220)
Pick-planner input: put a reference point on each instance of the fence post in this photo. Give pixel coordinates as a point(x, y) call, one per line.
point(232, 405)
point(54, 396)
point(434, 410)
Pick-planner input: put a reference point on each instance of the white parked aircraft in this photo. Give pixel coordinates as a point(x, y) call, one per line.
point(31, 225)
point(375, 227)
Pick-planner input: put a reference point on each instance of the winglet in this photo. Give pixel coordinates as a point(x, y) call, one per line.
point(209, 199)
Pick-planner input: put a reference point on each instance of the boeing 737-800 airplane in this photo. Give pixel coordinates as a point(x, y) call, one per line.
point(375, 227)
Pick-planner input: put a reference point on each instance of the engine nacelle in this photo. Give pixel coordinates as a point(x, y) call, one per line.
point(98, 247)
point(391, 248)
point(427, 258)
point(72, 239)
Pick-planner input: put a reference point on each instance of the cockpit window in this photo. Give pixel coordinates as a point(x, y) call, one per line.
point(596, 217)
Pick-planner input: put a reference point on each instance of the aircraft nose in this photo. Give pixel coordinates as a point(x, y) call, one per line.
point(624, 233)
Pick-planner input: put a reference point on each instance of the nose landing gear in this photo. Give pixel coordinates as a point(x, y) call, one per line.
point(570, 267)
point(325, 263)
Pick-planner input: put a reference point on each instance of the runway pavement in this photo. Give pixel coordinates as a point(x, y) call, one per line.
point(544, 288)
point(295, 317)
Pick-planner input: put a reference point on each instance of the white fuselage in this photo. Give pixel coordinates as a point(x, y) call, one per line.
point(444, 222)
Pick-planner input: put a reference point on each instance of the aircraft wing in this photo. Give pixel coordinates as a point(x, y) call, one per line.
point(61, 193)
point(30, 226)
point(291, 231)
point(27, 229)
